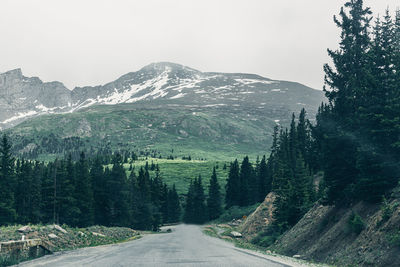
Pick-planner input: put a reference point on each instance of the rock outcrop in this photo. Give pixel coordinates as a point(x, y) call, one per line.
point(260, 219)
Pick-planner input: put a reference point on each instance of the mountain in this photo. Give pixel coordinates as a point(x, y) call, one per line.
point(156, 107)
point(23, 97)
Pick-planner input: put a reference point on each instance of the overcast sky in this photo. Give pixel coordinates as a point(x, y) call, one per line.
point(92, 42)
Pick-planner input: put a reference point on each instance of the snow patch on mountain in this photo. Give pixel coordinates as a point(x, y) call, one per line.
point(177, 96)
point(20, 115)
point(250, 81)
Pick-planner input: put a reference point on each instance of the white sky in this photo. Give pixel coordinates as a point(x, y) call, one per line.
point(91, 42)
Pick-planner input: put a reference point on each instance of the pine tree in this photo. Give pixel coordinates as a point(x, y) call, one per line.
point(134, 199)
point(232, 197)
point(36, 189)
point(174, 207)
point(84, 193)
point(247, 183)
point(199, 202)
point(99, 182)
point(22, 193)
point(195, 209)
point(47, 192)
point(164, 203)
point(264, 180)
point(68, 210)
point(304, 137)
point(7, 183)
point(347, 82)
point(293, 146)
point(189, 214)
point(117, 194)
point(214, 198)
point(145, 209)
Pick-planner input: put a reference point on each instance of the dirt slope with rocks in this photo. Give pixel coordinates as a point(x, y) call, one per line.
point(260, 219)
point(331, 235)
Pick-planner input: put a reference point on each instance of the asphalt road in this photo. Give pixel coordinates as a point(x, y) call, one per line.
point(185, 246)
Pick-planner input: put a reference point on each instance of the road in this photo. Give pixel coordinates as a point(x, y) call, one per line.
point(185, 246)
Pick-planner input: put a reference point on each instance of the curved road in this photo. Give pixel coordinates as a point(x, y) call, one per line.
point(185, 246)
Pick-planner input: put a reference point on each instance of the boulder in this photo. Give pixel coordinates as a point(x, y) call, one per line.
point(25, 229)
point(59, 228)
point(98, 234)
point(81, 233)
point(52, 236)
point(236, 234)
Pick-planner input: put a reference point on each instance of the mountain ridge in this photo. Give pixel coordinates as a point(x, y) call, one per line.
point(26, 97)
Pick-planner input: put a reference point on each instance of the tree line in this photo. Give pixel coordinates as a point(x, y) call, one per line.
point(83, 193)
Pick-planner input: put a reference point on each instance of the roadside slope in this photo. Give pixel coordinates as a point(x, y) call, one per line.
point(332, 235)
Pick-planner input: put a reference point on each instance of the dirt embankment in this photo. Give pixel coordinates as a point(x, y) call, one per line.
point(333, 235)
point(358, 235)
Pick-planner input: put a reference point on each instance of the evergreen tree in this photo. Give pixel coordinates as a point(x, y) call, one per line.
point(233, 191)
point(99, 182)
point(84, 192)
point(24, 179)
point(145, 209)
point(164, 203)
point(68, 209)
point(174, 207)
point(7, 183)
point(134, 199)
point(214, 198)
point(376, 158)
point(35, 214)
point(117, 194)
point(199, 202)
point(195, 210)
point(47, 192)
point(247, 183)
point(264, 180)
point(347, 82)
point(189, 213)
point(293, 147)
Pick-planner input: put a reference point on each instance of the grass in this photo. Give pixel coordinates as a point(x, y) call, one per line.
point(181, 172)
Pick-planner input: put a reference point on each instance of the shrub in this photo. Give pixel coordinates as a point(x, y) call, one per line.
point(6, 260)
point(356, 223)
point(267, 238)
point(236, 212)
point(394, 239)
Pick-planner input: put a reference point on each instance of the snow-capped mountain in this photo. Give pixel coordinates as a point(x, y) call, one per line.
point(24, 97)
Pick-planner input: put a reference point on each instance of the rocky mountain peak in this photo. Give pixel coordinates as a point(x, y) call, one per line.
point(10, 77)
